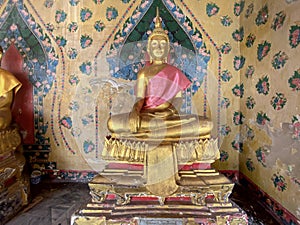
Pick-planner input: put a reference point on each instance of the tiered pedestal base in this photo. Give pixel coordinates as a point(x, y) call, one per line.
point(146, 212)
point(121, 197)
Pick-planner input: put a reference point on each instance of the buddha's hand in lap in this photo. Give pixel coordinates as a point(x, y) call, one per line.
point(134, 121)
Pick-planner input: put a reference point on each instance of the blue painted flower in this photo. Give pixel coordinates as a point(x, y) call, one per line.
point(60, 16)
point(88, 146)
point(226, 21)
point(263, 50)
point(237, 143)
point(238, 35)
point(238, 7)
point(278, 20)
point(225, 130)
point(262, 16)
point(249, 10)
point(48, 3)
point(85, 41)
point(85, 14)
point(238, 118)
point(238, 62)
point(279, 60)
point(72, 27)
point(238, 90)
point(262, 118)
point(66, 121)
point(294, 81)
point(261, 155)
point(74, 79)
point(61, 41)
point(279, 182)
point(226, 75)
point(250, 40)
point(225, 48)
point(296, 127)
point(74, 106)
point(249, 71)
point(250, 165)
point(99, 26)
point(263, 85)
point(72, 53)
point(87, 119)
point(249, 133)
point(111, 13)
point(294, 36)
point(225, 103)
point(278, 101)
point(212, 9)
point(73, 2)
point(86, 68)
point(50, 27)
point(250, 102)
point(224, 156)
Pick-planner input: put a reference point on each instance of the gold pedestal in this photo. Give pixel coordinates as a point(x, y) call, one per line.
point(151, 183)
point(197, 185)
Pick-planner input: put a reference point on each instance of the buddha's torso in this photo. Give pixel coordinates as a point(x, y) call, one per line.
point(148, 73)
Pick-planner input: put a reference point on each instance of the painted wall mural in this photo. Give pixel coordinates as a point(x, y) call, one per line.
point(270, 157)
point(248, 78)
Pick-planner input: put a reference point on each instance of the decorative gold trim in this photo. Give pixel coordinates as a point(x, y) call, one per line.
point(204, 150)
point(10, 139)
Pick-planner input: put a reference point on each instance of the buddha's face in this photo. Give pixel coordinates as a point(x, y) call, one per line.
point(158, 48)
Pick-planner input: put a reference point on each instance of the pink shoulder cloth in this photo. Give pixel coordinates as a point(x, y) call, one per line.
point(164, 86)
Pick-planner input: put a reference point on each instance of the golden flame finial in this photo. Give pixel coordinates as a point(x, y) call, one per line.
point(157, 19)
point(158, 30)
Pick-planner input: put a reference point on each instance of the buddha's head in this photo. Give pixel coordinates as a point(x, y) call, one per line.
point(158, 42)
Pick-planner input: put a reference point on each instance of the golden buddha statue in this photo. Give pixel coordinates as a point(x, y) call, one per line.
point(9, 85)
point(155, 115)
point(155, 133)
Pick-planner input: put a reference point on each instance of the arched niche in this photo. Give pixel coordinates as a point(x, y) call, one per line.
point(29, 56)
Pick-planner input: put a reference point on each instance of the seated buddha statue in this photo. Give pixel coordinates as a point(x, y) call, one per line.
point(9, 85)
point(155, 134)
point(159, 87)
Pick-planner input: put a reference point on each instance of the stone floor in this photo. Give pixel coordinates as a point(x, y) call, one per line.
point(54, 203)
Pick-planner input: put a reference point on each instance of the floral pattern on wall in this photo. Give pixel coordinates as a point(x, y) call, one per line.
point(294, 81)
point(278, 20)
point(294, 36)
point(279, 60)
point(263, 49)
point(279, 182)
point(262, 16)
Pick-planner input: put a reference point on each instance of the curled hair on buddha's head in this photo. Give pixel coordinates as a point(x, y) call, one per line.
point(158, 31)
